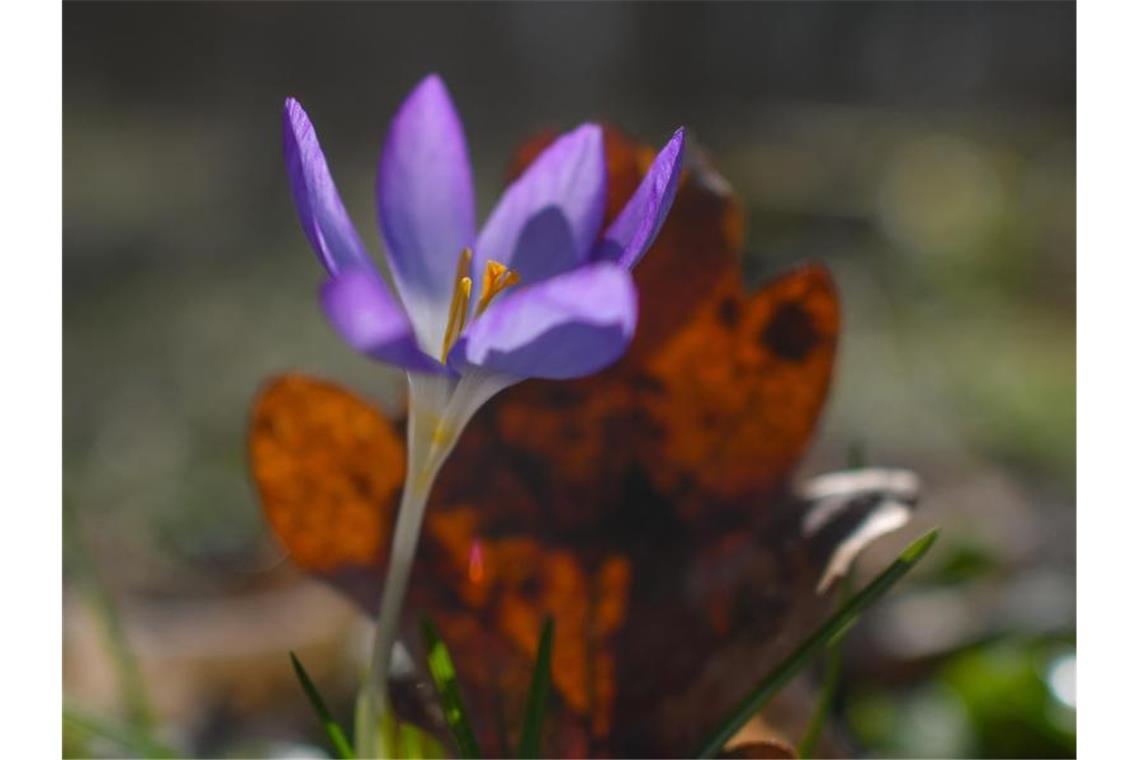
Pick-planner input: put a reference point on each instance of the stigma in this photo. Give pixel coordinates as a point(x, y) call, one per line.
point(496, 278)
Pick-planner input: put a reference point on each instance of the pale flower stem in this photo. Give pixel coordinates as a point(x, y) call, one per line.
point(437, 414)
point(375, 690)
point(409, 519)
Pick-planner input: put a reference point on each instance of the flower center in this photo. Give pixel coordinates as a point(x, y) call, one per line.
point(496, 278)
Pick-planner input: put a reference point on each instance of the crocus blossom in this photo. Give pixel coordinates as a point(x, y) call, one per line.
point(537, 292)
point(540, 290)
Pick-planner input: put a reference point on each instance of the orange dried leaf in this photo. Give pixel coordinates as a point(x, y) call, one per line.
point(627, 505)
point(328, 468)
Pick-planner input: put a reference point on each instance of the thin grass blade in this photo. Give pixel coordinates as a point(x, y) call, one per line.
point(834, 627)
point(832, 669)
point(332, 728)
point(128, 739)
point(87, 578)
point(530, 744)
point(404, 741)
point(447, 686)
point(416, 744)
point(823, 705)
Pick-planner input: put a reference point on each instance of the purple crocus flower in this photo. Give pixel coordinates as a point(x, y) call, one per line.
point(549, 297)
point(540, 291)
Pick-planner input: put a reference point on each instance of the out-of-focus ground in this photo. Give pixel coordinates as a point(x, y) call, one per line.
point(924, 151)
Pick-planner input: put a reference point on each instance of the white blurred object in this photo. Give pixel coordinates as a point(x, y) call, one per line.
point(863, 504)
point(1063, 680)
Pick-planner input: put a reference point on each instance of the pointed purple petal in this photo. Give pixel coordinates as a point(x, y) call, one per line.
point(322, 213)
point(426, 203)
point(548, 219)
point(360, 308)
point(636, 227)
point(568, 326)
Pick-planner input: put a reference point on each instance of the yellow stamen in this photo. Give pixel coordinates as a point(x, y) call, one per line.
point(460, 298)
point(462, 267)
point(496, 279)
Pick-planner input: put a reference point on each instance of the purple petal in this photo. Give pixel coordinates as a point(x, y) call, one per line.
point(360, 308)
point(567, 326)
point(636, 227)
point(322, 213)
point(548, 219)
point(426, 203)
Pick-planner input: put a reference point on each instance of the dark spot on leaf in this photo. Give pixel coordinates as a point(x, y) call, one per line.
point(791, 332)
point(653, 431)
point(360, 483)
point(729, 312)
point(573, 433)
point(531, 588)
point(557, 395)
point(646, 383)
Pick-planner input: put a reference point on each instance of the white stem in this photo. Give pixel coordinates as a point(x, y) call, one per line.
point(438, 412)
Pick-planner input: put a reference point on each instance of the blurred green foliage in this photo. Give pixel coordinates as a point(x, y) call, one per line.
point(992, 700)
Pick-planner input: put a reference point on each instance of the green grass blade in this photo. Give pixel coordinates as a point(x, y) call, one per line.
point(403, 741)
point(447, 686)
point(834, 627)
point(530, 744)
point(832, 670)
point(823, 705)
point(128, 739)
point(417, 744)
point(332, 728)
point(86, 577)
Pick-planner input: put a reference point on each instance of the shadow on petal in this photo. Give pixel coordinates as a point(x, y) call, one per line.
point(566, 351)
point(545, 247)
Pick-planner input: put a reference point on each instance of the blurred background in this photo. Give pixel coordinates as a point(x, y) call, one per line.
point(923, 151)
